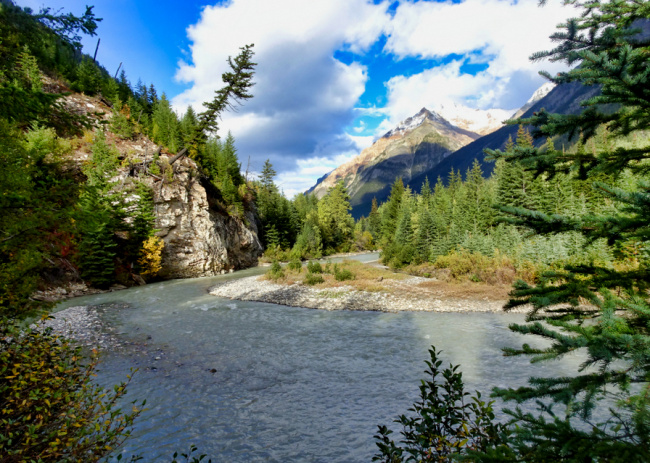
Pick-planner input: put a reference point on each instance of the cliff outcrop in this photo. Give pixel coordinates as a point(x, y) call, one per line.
point(200, 239)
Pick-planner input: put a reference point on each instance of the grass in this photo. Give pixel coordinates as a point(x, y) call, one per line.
point(463, 266)
point(366, 277)
point(370, 278)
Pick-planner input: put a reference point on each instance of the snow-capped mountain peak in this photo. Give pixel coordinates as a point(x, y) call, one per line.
point(414, 122)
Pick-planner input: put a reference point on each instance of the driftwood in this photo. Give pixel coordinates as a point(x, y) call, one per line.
point(178, 155)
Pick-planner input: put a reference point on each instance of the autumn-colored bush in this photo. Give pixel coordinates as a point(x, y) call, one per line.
point(151, 256)
point(499, 269)
point(50, 408)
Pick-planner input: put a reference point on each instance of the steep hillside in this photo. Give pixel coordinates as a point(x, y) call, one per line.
point(415, 146)
point(201, 238)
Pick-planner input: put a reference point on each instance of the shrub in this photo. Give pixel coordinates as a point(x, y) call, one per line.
point(313, 279)
point(343, 274)
point(464, 265)
point(151, 256)
point(314, 267)
point(275, 272)
point(120, 124)
point(51, 409)
point(295, 265)
point(445, 425)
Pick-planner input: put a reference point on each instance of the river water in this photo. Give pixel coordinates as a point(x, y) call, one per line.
point(253, 382)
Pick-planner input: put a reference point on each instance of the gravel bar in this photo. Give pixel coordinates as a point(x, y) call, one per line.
point(347, 298)
point(84, 325)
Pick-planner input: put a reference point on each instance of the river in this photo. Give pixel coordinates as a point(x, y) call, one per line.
point(253, 382)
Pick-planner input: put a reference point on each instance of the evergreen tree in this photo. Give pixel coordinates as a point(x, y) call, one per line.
point(390, 213)
point(165, 130)
point(334, 217)
point(152, 97)
point(89, 77)
point(426, 190)
point(267, 175)
point(230, 165)
point(123, 87)
point(374, 220)
point(188, 126)
point(606, 48)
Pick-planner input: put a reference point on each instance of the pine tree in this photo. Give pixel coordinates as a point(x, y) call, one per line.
point(267, 175)
point(334, 217)
point(374, 220)
point(88, 77)
point(390, 213)
point(165, 130)
point(230, 162)
point(607, 48)
point(123, 87)
point(425, 191)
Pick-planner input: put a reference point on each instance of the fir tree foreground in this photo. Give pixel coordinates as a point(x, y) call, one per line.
point(597, 310)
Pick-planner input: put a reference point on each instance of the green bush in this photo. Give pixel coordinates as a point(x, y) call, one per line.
point(314, 267)
point(446, 425)
point(120, 124)
point(313, 278)
point(343, 274)
point(275, 272)
point(295, 265)
point(51, 409)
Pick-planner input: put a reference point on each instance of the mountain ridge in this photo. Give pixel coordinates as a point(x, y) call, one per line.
point(413, 146)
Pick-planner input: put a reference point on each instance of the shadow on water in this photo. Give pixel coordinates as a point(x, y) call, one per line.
point(261, 382)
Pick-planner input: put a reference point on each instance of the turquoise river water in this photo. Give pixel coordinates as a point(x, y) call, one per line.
point(253, 382)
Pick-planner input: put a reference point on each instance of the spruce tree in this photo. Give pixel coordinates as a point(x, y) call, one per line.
point(594, 309)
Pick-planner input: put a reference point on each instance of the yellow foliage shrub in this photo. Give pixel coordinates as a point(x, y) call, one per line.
point(151, 256)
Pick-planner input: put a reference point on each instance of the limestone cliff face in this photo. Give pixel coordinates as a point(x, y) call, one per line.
point(200, 239)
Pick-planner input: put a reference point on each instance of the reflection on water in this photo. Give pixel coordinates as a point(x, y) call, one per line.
point(261, 382)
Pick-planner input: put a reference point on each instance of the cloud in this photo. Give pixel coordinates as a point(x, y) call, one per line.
point(503, 32)
point(303, 95)
point(305, 98)
point(499, 34)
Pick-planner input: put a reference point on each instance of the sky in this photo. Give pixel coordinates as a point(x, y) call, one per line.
point(332, 75)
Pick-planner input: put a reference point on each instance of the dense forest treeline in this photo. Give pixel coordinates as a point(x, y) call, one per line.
point(464, 225)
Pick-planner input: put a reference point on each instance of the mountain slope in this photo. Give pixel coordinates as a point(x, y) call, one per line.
point(415, 146)
point(563, 99)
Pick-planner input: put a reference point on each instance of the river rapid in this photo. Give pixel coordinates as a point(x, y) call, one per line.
point(253, 382)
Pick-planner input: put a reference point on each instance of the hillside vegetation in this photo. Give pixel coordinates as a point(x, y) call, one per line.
point(78, 163)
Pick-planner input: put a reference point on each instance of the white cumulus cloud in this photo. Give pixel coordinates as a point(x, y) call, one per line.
point(305, 97)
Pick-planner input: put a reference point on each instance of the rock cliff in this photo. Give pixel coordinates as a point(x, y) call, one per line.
point(200, 240)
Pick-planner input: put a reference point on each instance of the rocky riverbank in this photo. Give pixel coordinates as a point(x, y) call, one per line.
point(84, 325)
point(411, 294)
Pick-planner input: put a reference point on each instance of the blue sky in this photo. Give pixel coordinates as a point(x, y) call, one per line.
point(332, 75)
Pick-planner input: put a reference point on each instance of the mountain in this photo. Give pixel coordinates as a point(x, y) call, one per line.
point(480, 121)
point(563, 99)
point(415, 146)
point(540, 93)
